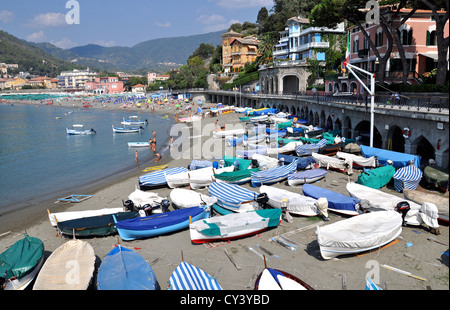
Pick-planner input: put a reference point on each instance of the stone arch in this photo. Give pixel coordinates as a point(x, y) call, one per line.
point(322, 119)
point(347, 129)
point(293, 110)
point(396, 141)
point(329, 123)
point(316, 119)
point(363, 131)
point(422, 147)
point(337, 125)
point(290, 83)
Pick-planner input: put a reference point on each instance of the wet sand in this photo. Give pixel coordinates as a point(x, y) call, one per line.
point(414, 251)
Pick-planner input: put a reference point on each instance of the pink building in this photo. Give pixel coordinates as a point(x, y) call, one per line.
point(418, 37)
point(105, 85)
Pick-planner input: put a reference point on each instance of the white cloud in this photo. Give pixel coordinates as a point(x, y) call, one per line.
point(165, 25)
point(6, 16)
point(215, 22)
point(48, 20)
point(64, 43)
point(240, 4)
point(211, 19)
point(36, 37)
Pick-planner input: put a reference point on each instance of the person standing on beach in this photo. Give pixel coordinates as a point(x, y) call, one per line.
point(136, 155)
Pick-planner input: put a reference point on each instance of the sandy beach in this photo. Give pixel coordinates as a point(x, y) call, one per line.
point(417, 250)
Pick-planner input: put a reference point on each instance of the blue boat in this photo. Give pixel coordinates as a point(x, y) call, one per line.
point(124, 269)
point(159, 224)
point(189, 277)
point(274, 175)
point(302, 162)
point(399, 159)
point(307, 176)
point(231, 196)
point(158, 178)
point(336, 202)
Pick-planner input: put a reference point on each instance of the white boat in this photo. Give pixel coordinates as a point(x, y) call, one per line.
point(306, 176)
point(359, 233)
point(133, 121)
point(226, 133)
point(259, 118)
point(142, 198)
point(441, 202)
point(358, 161)
point(138, 144)
point(293, 202)
point(274, 280)
point(185, 198)
point(265, 162)
point(72, 215)
point(126, 129)
point(288, 148)
point(333, 163)
point(78, 130)
point(378, 199)
point(198, 178)
point(234, 225)
point(69, 267)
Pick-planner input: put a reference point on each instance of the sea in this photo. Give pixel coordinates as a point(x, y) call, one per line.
point(39, 161)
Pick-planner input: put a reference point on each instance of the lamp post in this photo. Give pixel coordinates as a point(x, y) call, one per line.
point(371, 91)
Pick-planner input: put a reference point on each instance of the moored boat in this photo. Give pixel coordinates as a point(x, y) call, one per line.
point(293, 203)
point(78, 130)
point(307, 176)
point(337, 202)
point(138, 144)
point(126, 129)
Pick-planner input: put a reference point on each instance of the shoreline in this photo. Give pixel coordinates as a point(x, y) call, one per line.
point(164, 253)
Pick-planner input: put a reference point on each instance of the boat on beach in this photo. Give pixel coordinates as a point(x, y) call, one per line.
point(234, 226)
point(359, 233)
point(72, 215)
point(275, 279)
point(190, 277)
point(407, 177)
point(157, 179)
point(435, 178)
point(230, 132)
point(306, 176)
point(20, 263)
point(337, 202)
point(77, 130)
point(54, 273)
point(420, 197)
point(273, 175)
point(186, 198)
point(233, 197)
point(159, 224)
point(124, 269)
point(377, 178)
point(293, 203)
point(235, 177)
point(195, 178)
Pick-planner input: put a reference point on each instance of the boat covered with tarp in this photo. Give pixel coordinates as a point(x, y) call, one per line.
point(189, 277)
point(399, 159)
point(407, 177)
point(273, 175)
point(158, 178)
point(337, 202)
point(232, 196)
point(376, 178)
point(436, 178)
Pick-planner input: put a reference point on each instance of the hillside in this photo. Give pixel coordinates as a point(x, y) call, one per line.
point(30, 58)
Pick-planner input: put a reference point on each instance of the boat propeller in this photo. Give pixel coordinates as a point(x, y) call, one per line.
point(403, 208)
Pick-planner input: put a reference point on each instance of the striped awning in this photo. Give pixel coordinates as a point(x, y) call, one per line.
point(189, 277)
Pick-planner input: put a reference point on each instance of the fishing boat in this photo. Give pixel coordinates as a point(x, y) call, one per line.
point(20, 263)
point(303, 163)
point(230, 132)
point(293, 203)
point(124, 269)
point(94, 226)
point(54, 274)
point(157, 179)
point(308, 149)
point(138, 144)
point(407, 177)
point(126, 129)
point(359, 161)
point(189, 277)
point(133, 121)
point(436, 178)
point(379, 200)
point(234, 226)
point(232, 197)
point(159, 224)
point(185, 198)
point(72, 215)
point(198, 181)
point(275, 279)
point(333, 163)
point(359, 233)
point(377, 178)
point(307, 176)
point(273, 175)
point(78, 130)
point(337, 202)
point(235, 177)
point(399, 159)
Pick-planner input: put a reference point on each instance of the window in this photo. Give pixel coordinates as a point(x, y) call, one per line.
point(379, 39)
point(355, 45)
point(431, 38)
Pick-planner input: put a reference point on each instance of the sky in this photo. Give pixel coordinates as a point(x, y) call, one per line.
point(121, 23)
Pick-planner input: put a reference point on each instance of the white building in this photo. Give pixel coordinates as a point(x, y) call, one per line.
point(299, 39)
point(76, 79)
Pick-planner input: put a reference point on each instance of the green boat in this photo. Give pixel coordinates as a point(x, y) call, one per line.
point(236, 177)
point(243, 163)
point(20, 263)
point(377, 178)
point(436, 178)
point(94, 226)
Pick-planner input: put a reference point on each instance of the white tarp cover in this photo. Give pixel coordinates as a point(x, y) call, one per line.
point(265, 162)
point(296, 203)
point(359, 233)
point(141, 198)
point(332, 162)
point(359, 160)
point(185, 198)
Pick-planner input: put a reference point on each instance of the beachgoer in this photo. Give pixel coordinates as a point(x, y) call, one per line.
point(136, 155)
point(158, 157)
point(217, 124)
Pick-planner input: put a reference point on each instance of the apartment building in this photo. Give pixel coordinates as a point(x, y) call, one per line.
point(76, 79)
point(237, 50)
point(105, 85)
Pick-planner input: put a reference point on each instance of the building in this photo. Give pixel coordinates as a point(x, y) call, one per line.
point(105, 85)
point(43, 81)
point(15, 83)
point(139, 88)
point(418, 37)
point(76, 79)
point(237, 50)
point(152, 77)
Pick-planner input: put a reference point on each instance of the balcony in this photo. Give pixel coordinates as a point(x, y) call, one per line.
point(363, 53)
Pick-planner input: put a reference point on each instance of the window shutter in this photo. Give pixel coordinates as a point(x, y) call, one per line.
point(428, 37)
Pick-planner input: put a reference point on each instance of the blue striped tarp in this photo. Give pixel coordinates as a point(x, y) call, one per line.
point(230, 196)
point(273, 175)
point(158, 178)
point(189, 277)
point(308, 149)
point(407, 177)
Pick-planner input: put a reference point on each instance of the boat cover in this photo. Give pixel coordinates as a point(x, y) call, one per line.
point(186, 198)
point(273, 175)
point(336, 201)
point(21, 258)
point(158, 178)
point(189, 277)
point(400, 159)
point(243, 163)
point(260, 112)
point(141, 198)
point(302, 162)
point(376, 178)
point(198, 164)
point(435, 177)
point(407, 177)
point(246, 154)
point(232, 223)
point(265, 162)
point(308, 174)
point(358, 160)
point(231, 141)
point(158, 221)
point(333, 162)
point(230, 196)
point(360, 233)
point(124, 269)
point(72, 253)
point(70, 215)
point(296, 203)
point(235, 176)
point(308, 149)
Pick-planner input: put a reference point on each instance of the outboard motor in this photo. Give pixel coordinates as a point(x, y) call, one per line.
point(145, 210)
point(262, 200)
point(160, 207)
point(255, 163)
point(165, 204)
point(129, 205)
point(403, 208)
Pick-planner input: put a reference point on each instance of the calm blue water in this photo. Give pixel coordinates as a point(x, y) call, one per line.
point(38, 159)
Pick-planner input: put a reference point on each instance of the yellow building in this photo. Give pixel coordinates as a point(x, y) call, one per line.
point(243, 50)
point(43, 81)
point(15, 83)
point(227, 39)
